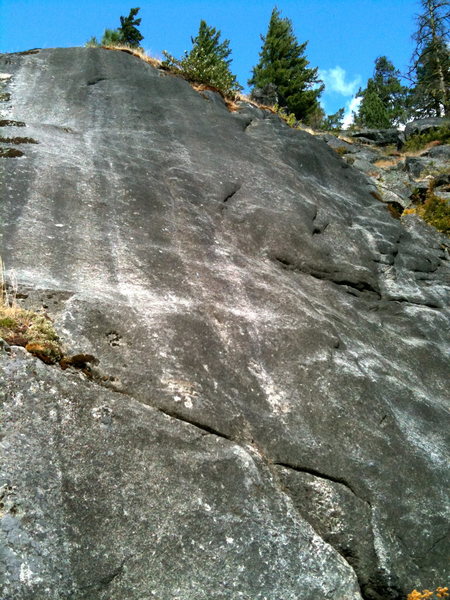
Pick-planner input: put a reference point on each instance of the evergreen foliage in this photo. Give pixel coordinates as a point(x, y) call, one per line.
point(111, 37)
point(129, 32)
point(334, 121)
point(208, 61)
point(430, 69)
point(282, 63)
point(384, 99)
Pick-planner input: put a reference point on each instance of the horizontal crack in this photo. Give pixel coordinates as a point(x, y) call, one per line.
point(360, 286)
point(406, 301)
point(321, 475)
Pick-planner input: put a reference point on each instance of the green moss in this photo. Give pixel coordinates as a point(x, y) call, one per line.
point(7, 323)
point(34, 331)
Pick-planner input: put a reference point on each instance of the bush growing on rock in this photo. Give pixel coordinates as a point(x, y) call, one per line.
point(207, 62)
point(420, 140)
point(34, 331)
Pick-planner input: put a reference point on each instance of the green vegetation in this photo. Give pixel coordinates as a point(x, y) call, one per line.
point(126, 35)
point(434, 211)
point(334, 122)
point(34, 331)
point(430, 69)
point(129, 32)
point(295, 86)
point(289, 118)
point(207, 63)
point(282, 63)
point(420, 140)
point(383, 101)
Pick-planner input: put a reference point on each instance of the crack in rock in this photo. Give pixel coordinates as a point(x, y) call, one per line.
point(321, 475)
point(359, 286)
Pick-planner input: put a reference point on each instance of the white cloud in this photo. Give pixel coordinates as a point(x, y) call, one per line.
point(334, 80)
point(350, 107)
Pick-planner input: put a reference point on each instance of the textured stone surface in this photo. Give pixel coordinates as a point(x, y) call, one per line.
point(421, 126)
point(266, 334)
point(382, 137)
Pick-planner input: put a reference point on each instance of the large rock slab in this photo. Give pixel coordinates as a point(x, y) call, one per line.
point(266, 333)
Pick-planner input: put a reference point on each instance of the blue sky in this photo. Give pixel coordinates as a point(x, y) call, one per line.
point(345, 36)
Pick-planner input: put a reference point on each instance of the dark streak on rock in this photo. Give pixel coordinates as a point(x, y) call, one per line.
point(10, 123)
point(96, 80)
point(10, 153)
point(228, 198)
point(18, 140)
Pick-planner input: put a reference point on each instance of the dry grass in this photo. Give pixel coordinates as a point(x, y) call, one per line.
point(385, 163)
point(138, 52)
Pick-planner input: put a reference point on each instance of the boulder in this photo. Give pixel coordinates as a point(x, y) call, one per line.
point(440, 152)
point(267, 415)
point(267, 95)
point(381, 137)
point(420, 126)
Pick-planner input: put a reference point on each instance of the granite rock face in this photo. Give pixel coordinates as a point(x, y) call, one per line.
point(268, 418)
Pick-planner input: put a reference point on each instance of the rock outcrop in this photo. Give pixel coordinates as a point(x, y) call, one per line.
point(268, 418)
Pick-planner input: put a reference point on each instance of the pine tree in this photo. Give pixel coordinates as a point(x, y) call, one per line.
point(372, 112)
point(430, 68)
point(334, 121)
point(129, 33)
point(208, 61)
point(112, 37)
point(282, 63)
point(384, 99)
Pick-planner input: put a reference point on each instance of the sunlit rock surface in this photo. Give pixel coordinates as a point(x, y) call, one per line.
point(268, 416)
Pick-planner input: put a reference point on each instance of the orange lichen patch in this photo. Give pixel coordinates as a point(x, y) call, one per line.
point(440, 592)
point(48, 352)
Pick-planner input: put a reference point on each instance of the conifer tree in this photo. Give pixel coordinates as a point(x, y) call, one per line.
point(129, 31)
point(112, 37)
point(372, 112)
point(283, 63)
point(430, 68)
point(334, 121)
point(384, 98)
point(207, 62)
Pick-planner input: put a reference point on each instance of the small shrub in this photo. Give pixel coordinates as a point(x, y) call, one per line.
point(420, 140)
point(207, 62)
point(289, 118)
point(341, 150)
point(20, 327)
point(434, 211)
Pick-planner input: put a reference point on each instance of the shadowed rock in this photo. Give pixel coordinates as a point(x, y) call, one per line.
point(269, 414)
